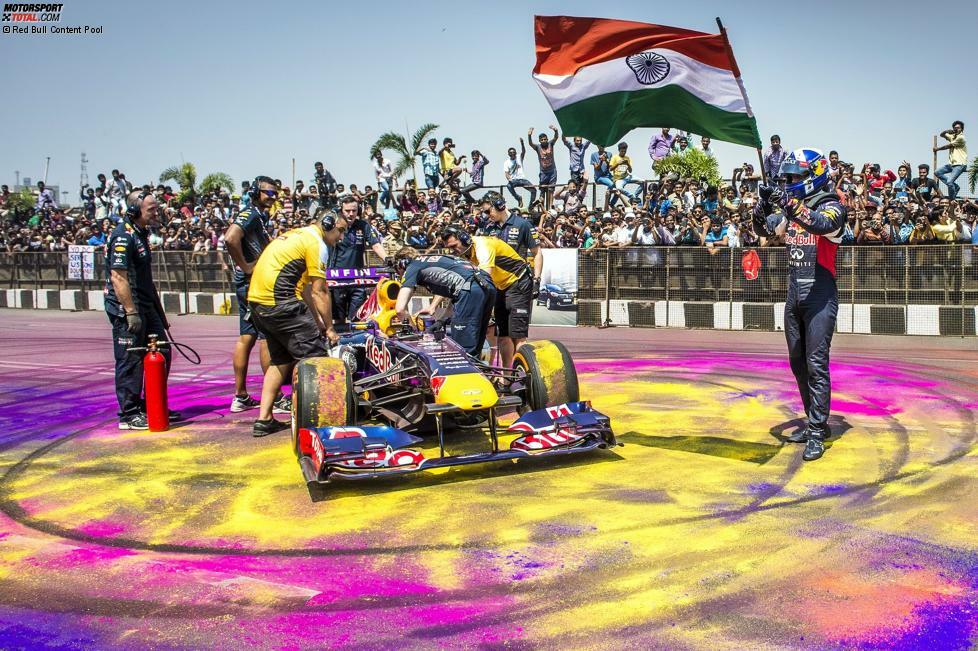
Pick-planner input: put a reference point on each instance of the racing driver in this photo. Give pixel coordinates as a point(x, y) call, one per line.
point(512, 278)
point(469, 289)
point(813, 220)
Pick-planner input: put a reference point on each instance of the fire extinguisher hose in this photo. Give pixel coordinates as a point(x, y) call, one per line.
point(166, 328)
point(193, 357)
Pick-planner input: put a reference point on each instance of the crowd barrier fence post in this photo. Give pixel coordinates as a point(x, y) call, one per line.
point(852, 291)
point(730, 294)
point(186, 285)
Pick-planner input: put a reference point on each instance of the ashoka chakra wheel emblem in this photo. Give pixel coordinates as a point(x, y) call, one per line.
point(649, 67)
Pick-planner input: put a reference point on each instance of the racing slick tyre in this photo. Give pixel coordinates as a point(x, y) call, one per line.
point(550, 376)
point(322, 395)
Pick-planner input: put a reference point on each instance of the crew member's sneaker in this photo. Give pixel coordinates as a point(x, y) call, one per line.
point(243, 403)
point(814, 448)
point(266, 427)
point(134, 422)
point(283, 405)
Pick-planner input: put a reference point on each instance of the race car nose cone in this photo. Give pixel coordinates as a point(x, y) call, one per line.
point(467, 391)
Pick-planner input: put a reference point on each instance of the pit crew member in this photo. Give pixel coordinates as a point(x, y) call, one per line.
point(516, 231)
point(246, 238)
point(812, 223)
point(350, 254)
point(132, 305)
point(513, 281)
point(469, 289)
point(289, 263)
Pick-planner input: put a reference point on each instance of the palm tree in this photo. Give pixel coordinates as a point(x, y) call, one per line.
point(186, 177)
point(396, 143)
point(973, 175)
point(216, 181)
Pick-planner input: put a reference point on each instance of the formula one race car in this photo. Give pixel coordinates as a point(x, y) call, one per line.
point(363, 411)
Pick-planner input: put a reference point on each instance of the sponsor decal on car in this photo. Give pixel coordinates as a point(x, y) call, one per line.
point(380, 356)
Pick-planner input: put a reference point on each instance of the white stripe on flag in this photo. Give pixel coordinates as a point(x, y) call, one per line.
point(712, 85)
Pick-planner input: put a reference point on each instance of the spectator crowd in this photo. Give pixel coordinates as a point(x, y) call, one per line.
point(606, 200)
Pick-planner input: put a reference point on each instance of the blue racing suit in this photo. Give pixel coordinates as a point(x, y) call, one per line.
point(812, 229)
point(469, 288)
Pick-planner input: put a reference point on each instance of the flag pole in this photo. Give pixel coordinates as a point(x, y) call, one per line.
point(743, 92)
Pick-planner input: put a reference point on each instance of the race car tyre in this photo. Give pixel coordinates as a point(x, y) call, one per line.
point(322, 395)
point(550, 304)
point(551, 378)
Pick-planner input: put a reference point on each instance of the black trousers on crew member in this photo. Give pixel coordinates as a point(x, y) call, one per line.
point(471, 312)
point(347, 301)
point(809, 322)
point(129, 365)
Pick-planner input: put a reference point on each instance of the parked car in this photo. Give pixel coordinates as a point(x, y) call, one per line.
point(555, 297)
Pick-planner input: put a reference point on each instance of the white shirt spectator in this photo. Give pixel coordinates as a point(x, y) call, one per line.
point(514, 168)
point(623, 234)
point(384, 171)
point(646, 237)
point(733, 236)
point(966, 231)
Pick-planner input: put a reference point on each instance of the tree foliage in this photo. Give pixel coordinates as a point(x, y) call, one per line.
point(22, 203)
point(185, 176)
point(402, 150)
point(692, 163)
point(973, 175)
point(216, 181)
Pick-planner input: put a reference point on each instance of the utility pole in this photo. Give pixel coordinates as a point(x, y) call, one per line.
point(47, 164)
point(83, 179)
point(17, 175)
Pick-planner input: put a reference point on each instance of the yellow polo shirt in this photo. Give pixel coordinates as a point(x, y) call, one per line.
point(958, 153)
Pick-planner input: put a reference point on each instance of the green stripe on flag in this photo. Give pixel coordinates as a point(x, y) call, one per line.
point(604, 119)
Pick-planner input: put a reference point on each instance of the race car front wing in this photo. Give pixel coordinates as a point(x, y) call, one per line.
point(369, 452)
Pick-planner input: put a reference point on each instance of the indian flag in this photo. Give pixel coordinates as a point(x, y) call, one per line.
point(605, 77)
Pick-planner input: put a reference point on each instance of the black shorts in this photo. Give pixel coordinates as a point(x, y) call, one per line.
point(245, 326)
point(291, 331)
point(513, 308)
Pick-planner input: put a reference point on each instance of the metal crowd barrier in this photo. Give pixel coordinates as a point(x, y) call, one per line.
point(173, 271)
point(883, 289)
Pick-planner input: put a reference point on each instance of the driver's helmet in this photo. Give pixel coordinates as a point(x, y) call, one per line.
point(810, 169)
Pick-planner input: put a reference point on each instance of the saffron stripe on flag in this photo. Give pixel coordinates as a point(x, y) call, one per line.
point(565, 44)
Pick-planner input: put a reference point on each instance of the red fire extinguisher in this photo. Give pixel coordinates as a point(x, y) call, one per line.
point(154, 374)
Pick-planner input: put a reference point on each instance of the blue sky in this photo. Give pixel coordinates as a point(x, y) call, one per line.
point(244, 87)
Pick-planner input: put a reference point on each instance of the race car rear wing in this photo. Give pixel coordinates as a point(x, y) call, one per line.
point(362, 276)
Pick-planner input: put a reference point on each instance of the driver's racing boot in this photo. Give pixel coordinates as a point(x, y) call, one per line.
point(814, 446)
